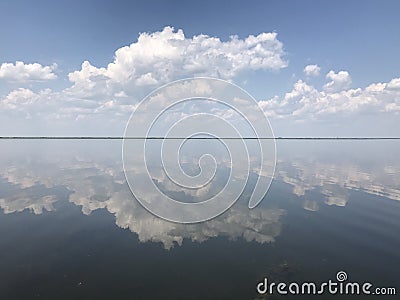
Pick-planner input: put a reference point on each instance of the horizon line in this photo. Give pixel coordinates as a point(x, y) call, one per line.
point(189, 138)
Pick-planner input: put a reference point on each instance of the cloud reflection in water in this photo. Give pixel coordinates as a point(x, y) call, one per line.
point(94, 185)
point(96, 182)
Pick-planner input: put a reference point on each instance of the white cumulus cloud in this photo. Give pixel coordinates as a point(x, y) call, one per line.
point(27, 72)
point(101, 98)
point(307, 102)
point(312, 70)
point(167, 55)
point(154, 59)
point(339, 81)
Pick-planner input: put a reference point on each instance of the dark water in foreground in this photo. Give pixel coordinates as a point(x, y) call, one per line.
point(70, 228)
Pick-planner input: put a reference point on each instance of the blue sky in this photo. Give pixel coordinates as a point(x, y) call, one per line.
point(361, 38)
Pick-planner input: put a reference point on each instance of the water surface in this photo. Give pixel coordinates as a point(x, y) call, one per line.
point(71, 228)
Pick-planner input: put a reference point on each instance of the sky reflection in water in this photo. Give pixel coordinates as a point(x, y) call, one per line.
point(360, 179)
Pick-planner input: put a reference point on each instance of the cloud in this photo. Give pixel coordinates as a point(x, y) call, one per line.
point(110, 93)
point(160, 57)
point(165, 55)
point(28, 103)
point(339, 81)
point(27, 72)
point(312, 70)
point(394, 84)
point(102, 98)
point(307, 102)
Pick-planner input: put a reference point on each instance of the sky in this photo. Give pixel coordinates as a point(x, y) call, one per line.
point(317, 68)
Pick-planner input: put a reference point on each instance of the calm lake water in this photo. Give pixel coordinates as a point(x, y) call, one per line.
point(71, 229)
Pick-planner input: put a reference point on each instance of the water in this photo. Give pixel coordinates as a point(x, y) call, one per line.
point(71, 229)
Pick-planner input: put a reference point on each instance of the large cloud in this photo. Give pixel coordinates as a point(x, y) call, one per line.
point(167, 55)
point(154, 59)
point(336, 99)
point(27, 72)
